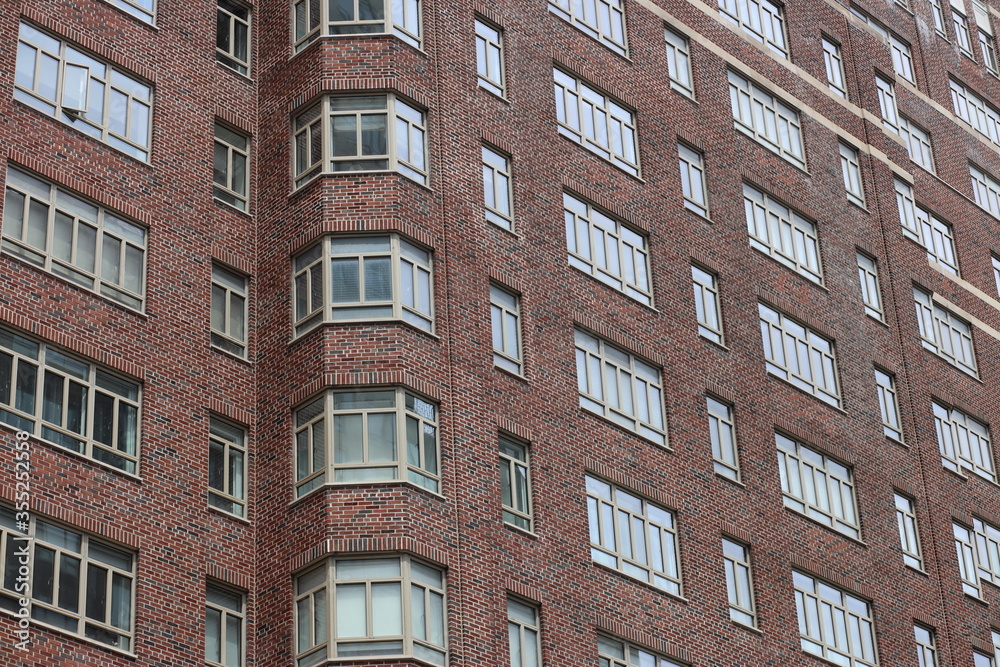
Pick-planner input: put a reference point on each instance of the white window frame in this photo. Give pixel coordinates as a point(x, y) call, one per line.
point(800, 356)
point(909, 535)
point(996, 272)
point(886, 90)
point(604, 20)
point(850, 165)
point(944, 333)
point(490, 57)
point(615, 652)
point(515, 483)
point(968, 562)
point(228, 51)
point(498, 191)
point(766, 119)
point(982, 660)
point(938, 14)
point(782, 233)
point(230, 309)
point(985, 190)
point(821, 607)
point(722, 433)
point(817, 486)
point(871, 293)
point(988, 50)
point(962, 37)
point(505, 317)
point(978, 551)
point(899, 49)
point(693, 186)
point(975, 111)
point(227, 467)
point(523, 631)
point(964, 443)
point(739, 582)
point(763, 20)
point(888, 404)
point(679, 62)
point(707, 304)
point(311, 20)
point(144, 10)
point(930, 231)
point(229, 606)
point(232, 149)
point(833, 60)
point(918, 143)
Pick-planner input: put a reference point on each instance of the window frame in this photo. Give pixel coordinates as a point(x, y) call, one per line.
point(961, 426)
point(503, 357)
point(918, 143)
point(909, 531)
point(772, 226)
point(931, 336)
point(725, 450)
point(900, 51)
point(225, 612)
point(961, 24)
point(888, 109)
point(566, 10)
point(229, 192)
point(495, 174)
point(679, 62)
point(787, 142)
point(871, 291)
point(518, 629)
point(888, 400)
point(926, 228)
point(694, 188)
point(833, 60)
point(850, 166)
point(519, 512)
point(817, 644)
point(623, 653)
point(404, 31)
point(486, 45)
point(739, 582)
point(763, 20)
point(707, 304)
point(775, 320)
point(985, 190)
point(228, 58)
point(226, 279)
point(837, 476)
point(233, 493)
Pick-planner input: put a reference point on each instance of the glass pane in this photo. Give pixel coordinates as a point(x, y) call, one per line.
point(387, 609)
point(352, 611)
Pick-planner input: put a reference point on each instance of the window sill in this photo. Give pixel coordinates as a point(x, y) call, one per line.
point(245, 77)
point(767, 253)
point(360, 323)
point(600, 157)
point(234, 357)
point(858, 205)
point(696, 214)
point(646, 584)
point(877, 320)
point(350, 485)
point(82, 457)
point(521, 531)
point(229, 515)
point(511, 374)
point(977, 599)
point(916, 569)
point(226, 205)
point(665, 445)
point(802, 391)
point(948, 362)
point(147, 24)
point(748, 628)
point(600, 282)
point(684, 92)
point(734, 482)
point(34, 623)
point(495, 95)
point(823, 525)
point(321, 175)
point(510, 231)
point(721, 346)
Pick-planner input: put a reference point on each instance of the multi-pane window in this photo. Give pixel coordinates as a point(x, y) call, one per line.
point(938, 13)
point(961, 23)
point(976, 111)
point(89, 95)
point(888, 404)
point(779, 231)
point(361, 608)
point(596, 121)
point(619, 653)
point(522, 634)
point(225, 619)
point(817, 486)
point(363, 278)
point(366, 133)
point(505, 317)
point(918, 143)
point(834, 624)
point(982, 660)
point(230, 174)
point(632, 535)
point(515, 483)
point(902, 60)
point(996, 272)
point(489, 57)
point(851, 168)
point(909, 538)
point(722, 431)
point(227, 466)
point(232, 36)
point(79, 584)
point(987, 550)
point(620, 386)
point(926, 228)
point(964, 442)
point(871, 295)
point(965, 549)
point(988, 49)
point(313, 18)
point(69, 402)
point(144, 10)
point(679, 62)
point(229, 311)
point(985, 190)
point(739, 583)
point(363, 436)
point(762, 19)
point(799, 355)
point(834, 62)
point(766, 119)
point(604, 20)
point(706, 304)
point(607, 249)
point(887, 102)
point(944, 334)
point(497, 193)
point(74, 239)
point(692, 166)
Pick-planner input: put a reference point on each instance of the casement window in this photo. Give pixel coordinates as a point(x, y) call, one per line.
point(887, 102)
point(225, 622)
point(232, 36)
point(231, 174)
point(620, 387)
point(938, 13)
point(851, 168)
point(227, 467)
point(522, 634)
point(799, 355)
point(632, 535)
point(69, 402)
point(961, 23)
point(739, 583)
point(909, 537)
point(314, 18)
point(619, 653)
point(144, 10)
point(596, 121)
point(965, 549)
point(834, 62)
point(604, 20)
point(360, 608)
point(497, 192)
point(975, 111)
point(925, 228)
point(71, 238)
point(899, 49)
point(918, 143)
point(834, 624)
point(988, 49)
point(363, 279)
point(766, 119)
point(80, 584)
point(515, 483)
point(679, 62)
point(722, 431)
point(944, 334)
point(985, 190)
point(91, 96)
point(229, 311)
point(706, 304)
point(817, 486)
point(364, 436)
point(606, 248)
point(978, 551)
point(871, 294)
point(779, 231)
point(964, 442)
point(761, 19)
point(692, 167)
point(360, 134)
point(505, 317)
point(888, 404)
point(489, 57)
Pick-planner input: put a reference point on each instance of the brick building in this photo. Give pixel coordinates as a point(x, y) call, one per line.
point(603, 332)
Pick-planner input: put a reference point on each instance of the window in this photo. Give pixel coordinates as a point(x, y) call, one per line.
point(762, 19)
point(596, 121)
point(604, 20)
point(74, 239)
point(95, 98)
point(985, 190)
point(918, 143)
point(633, 535)
point(489, 57)
point(607, 249)
point(505, 315)
point(817, 486)
point(363, 278)
point(988, 49)
point(619, 387)
point(825, 615)
point(909, 538)
point(679, 62)
point(232, 36)
point(706, 304)
point(780, 232)
point(966, 551)
point(981, 660)
point(141, 9)
point(938, 14)
point(926, 228)
point(225, 618)
point(964, 442)
point(618, 653)
point(766, 119)
point(231, 176)
point(799, 355)
point(887, 103)
point(996, 272)
point(978, 554)
point(369, 133)
point(870, 293)
point(961, 31)
point(69, 402)
point(692, 168)
point(834, 62)
point(229, 311)
point(944, 334)
point(902, 61)
point(739, 583)
point(227, 455)
point(522, 630)
point(975, 111)
point(722, 429)
point(365, 607)
point(889, 405)
point(497, 193)
point(80, 584)
point(356, 17)
point(851, 168)
point(515, 483)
